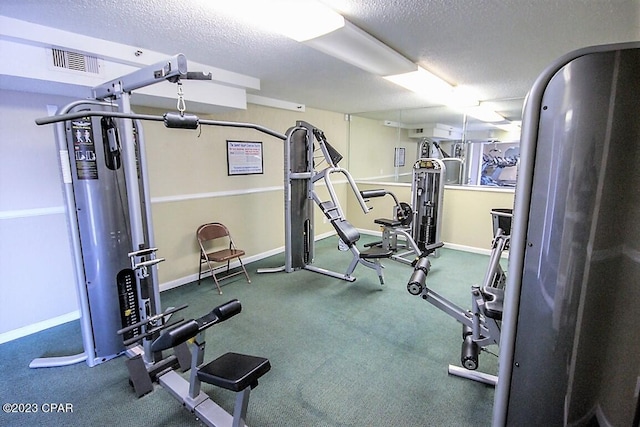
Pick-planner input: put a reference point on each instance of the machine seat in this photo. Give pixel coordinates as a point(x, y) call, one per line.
point(234, 371)
point(494, 301)
point(376, 252)
point(387, 222)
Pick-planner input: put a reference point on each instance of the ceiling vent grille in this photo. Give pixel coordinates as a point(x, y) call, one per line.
point(75, 61)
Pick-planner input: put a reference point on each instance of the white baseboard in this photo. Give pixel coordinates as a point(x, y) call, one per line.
point(37, 327)
point(464, 248)
point(453, 246)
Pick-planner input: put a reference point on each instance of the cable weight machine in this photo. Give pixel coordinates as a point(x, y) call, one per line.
point(103, 163)
point(427, 192)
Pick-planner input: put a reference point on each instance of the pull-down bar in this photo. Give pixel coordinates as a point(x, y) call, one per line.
point(149, 117)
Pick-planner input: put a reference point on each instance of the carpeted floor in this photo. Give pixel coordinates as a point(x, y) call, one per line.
point(342, 354)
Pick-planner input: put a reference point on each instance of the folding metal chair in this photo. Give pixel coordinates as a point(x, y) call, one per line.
point(217, 246)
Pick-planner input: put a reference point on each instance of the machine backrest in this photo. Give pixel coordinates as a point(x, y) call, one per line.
point(189, 329)
point(347, 232)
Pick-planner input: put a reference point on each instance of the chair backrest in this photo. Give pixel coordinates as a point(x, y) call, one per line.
point(211, 231)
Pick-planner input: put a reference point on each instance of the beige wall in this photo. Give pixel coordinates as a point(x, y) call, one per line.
point(372, 145)
point(467, 215)
point(190, 186)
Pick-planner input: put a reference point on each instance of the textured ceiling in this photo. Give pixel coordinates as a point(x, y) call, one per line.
point(495, 47)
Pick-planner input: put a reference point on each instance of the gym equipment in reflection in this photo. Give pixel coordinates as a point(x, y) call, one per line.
point(427, 192)
point(414, 231)
point(454, 162)
point(210, 237)
point(480, 324)
point(493, 165)
point(570, 350)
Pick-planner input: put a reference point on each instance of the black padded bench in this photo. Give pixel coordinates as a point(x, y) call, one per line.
point(234, 371)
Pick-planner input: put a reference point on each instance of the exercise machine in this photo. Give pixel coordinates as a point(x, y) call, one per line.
point(232, 371)
point(396, 231)
point(427, 192)
point(103, 163)
point(107, 202)
point(481, 324)
point(310, 160)
point(569, 350)
point(414, 229)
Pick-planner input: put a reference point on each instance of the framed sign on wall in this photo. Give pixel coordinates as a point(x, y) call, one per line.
point(398, 160)
point(244, 157)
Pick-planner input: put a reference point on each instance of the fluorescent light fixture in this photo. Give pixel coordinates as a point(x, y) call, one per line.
point(297, 19)
point(425, 83)
point(304, 20)
point(483, 113)
point(462, 97)
point(434, 88)
point(356, 47)
point(320, 27)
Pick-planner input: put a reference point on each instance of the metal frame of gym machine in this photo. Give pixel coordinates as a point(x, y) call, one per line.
point(481, 324)
point(569, 354)
point(129, 230)
point(135, 233)
point(300, 177)
point(112, 237)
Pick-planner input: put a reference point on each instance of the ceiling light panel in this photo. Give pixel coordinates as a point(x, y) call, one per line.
point(425, 83)
point(299, 20)
point(356, 47)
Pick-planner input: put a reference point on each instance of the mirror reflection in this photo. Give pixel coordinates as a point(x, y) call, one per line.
point(385, 145)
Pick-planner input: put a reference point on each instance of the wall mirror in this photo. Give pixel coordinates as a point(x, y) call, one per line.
point(475, 153)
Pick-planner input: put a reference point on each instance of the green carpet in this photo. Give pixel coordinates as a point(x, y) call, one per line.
point(342, 354)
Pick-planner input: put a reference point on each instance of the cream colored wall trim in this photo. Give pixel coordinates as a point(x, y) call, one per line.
point(183, 197)
point(26, 213)
point(485, 188)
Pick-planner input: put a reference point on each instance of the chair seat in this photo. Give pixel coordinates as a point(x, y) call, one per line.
point(225, 255)
point(234, 371)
